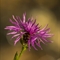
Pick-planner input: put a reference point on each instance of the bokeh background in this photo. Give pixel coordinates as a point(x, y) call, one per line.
point(45, 12)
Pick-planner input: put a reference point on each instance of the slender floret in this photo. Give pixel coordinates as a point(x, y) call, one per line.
point(28, 31)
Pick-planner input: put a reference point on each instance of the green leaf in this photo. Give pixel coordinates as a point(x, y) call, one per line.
point(16, 56)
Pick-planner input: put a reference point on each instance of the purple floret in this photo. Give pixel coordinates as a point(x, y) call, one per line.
point(29, 31)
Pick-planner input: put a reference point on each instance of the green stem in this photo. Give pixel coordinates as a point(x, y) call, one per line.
point(21, 52)
point(17, 57)
point(23, 49)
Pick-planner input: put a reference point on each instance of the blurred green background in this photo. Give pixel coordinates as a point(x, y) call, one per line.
point(45, 12)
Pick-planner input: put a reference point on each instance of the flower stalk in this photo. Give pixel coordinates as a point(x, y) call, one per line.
point(17, 57)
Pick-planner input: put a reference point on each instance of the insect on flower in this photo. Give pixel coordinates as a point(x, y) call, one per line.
point(28, 31)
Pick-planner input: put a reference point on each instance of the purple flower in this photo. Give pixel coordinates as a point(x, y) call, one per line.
point(29, 31)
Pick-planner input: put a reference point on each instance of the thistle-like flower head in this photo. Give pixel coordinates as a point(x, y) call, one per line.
point(28, 31)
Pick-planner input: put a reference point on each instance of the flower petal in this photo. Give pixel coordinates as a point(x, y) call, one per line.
point(32, 43)
point(46, 40)
point(12, 22)
point(15, 35)
point(38, 44)
point(42, 41)
point(33, 39)
point(12, 28)
point(44, 28)
point(14, 19)
point(11, 33)
point(34, 22)
point(24, 17)
point(18, 38)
